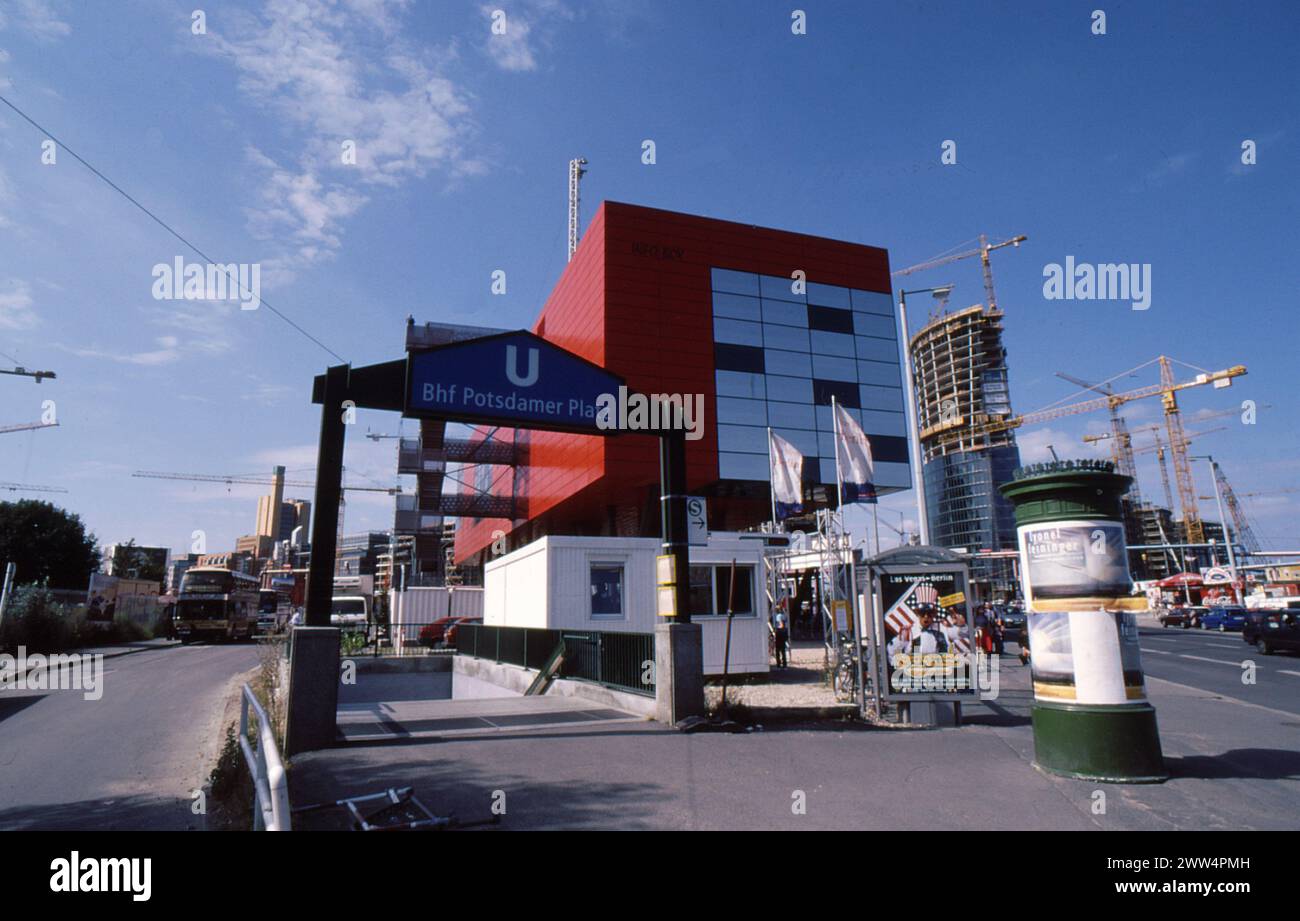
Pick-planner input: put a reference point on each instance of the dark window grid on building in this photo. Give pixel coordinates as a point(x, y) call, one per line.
point(761, 327)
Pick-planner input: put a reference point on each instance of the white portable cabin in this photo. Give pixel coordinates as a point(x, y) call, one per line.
point(608, 584)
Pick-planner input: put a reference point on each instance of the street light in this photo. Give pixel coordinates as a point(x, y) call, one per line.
point(1223, 521)
point(940, 293)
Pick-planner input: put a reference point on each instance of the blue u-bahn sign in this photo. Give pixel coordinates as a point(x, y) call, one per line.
point(516, 379)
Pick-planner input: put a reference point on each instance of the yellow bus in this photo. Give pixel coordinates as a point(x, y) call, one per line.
point(215, 603)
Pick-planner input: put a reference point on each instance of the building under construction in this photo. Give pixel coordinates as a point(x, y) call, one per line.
point(960, 380)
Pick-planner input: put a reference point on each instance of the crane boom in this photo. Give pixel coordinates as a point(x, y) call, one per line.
point(27, 427)
point(23, 487)
point(247, 479)
point(982, 251)
point(982, 424)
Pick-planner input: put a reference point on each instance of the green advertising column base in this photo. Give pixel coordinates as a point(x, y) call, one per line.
point(1107, 744)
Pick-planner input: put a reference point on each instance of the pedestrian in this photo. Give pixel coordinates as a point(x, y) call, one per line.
point(999, 633)
point(782, 639)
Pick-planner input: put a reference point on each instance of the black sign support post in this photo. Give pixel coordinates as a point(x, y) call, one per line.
point(515, 379)
point(329, 489)
point(672, 485)
point(679, 643)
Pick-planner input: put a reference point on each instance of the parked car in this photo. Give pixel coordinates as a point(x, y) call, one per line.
point(1183, 617)
point(1224, 618)
point(433, 634)
point(1275, 630)
point(450, 638)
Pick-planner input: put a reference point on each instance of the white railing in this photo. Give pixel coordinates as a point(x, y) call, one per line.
point(271, 800)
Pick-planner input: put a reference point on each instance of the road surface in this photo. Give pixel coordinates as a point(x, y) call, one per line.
point(128, 760)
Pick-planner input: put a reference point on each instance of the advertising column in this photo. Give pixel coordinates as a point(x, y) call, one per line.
point(1091, 716)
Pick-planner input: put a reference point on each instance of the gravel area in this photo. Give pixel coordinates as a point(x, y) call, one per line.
point(802, 685)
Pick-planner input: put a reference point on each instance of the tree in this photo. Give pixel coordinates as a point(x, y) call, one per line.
point(47, 543)
point(132, 562)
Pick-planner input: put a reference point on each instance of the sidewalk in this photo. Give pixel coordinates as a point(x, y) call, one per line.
point(980, 776)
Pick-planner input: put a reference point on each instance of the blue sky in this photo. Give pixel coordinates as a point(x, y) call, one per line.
point(1122, 147)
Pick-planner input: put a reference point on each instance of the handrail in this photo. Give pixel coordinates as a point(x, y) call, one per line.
point(270, 782)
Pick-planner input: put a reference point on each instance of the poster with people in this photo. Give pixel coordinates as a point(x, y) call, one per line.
point(927, 635)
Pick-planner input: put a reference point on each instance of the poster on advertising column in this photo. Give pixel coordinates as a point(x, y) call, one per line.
point(1086, 657)
point(1076, 565)
point(926, 633)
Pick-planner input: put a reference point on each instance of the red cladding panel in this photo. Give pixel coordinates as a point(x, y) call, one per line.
point(637, 298)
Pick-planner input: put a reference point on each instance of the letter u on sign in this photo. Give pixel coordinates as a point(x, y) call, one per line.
point(512, 367)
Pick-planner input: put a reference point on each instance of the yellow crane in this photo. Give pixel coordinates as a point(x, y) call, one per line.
point(985, 423)
point(1158, 444)
point(1122, 450)
point(982, 251)
point(959, 428)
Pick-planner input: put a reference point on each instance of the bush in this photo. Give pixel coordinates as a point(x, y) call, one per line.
point(230, 788)
point(33, 619)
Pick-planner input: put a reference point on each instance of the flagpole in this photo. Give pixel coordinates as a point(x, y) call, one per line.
point(771, 476)
point(839, 479)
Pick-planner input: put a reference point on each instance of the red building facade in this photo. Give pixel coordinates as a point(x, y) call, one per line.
point(680, 304)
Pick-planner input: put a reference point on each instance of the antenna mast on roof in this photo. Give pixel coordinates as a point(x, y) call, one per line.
point(576, 172)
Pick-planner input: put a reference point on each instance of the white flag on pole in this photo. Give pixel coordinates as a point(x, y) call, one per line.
point(857, 470)
point(786, 465)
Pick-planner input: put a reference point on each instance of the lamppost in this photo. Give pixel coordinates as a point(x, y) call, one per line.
point(940, 293)
point(1223, 521)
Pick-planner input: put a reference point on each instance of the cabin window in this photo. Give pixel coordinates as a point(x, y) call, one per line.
point(711, 589)
point(607, 590)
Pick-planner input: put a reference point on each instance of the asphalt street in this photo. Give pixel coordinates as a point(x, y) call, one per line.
point(128, 760)
point(1214, 661)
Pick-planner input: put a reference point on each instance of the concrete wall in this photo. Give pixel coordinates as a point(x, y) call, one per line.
point(517, 679)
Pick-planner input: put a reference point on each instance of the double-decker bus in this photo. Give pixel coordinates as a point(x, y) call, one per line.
point(215, 603)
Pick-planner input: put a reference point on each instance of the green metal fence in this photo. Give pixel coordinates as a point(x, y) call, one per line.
point(618, 660)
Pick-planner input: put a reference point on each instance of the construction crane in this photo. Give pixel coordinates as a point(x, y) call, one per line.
point(254, 479)
point(23, 487)
point(1240, 523)
point(982, 251)
point(959, 427)
point(1122, 450)
point(27, 427)
point(576, 172)
point(23, 372)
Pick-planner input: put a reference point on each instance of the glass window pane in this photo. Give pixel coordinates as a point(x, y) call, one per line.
point(743, 601)
point(606, 590)
point(701, 590)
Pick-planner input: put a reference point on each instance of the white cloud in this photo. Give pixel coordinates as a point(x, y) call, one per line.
point(166, 353)
point(16, 305)
point(525, 31)
point(37, 18)
point(1034, 446)
point(337, 72)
